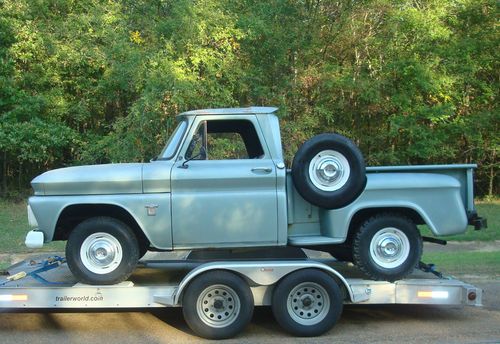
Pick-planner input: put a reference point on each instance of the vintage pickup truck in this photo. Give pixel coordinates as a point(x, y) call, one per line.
point(221, 183)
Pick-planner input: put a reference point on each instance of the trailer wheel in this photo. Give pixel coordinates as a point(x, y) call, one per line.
point(328, 170)
point(102, 250)
point(387, 247)
point(307, 303)
point(217, 305)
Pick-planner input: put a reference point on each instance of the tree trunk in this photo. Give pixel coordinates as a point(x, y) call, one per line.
point(4, 175)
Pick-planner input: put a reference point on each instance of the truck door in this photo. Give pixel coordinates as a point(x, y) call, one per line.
point(224, 195)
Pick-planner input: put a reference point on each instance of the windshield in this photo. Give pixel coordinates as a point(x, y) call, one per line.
point(173, 142)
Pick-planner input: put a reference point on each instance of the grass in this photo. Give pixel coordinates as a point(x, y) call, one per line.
point(491, 211)
point(4, 264)
point(466, 263)
point(13, 229)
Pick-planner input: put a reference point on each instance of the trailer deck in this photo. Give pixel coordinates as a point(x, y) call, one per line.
point(160, 284)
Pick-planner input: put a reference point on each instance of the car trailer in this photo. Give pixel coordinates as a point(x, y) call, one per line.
point(218, 297)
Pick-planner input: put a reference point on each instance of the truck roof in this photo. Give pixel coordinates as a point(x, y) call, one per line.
point(256, 110)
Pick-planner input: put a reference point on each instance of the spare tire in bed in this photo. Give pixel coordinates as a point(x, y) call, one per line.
point(328, 170)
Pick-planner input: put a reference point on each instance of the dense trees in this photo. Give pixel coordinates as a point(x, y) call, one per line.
point(94, 81)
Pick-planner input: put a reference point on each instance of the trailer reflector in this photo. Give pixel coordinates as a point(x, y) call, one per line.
point(19, 297)
point(433, 294)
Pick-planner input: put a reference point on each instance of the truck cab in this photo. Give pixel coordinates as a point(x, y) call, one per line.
point(226, 179)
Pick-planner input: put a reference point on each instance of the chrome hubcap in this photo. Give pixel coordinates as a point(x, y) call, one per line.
point(389, 247)
point(329, 170)
point(308, 303)
point(101, 253)
point(218, 306)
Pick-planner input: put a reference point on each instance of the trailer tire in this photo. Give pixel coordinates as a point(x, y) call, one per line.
point(328, 170)
point(307, 303)
point(387, 247)
point(102, 250)
point(217, 304)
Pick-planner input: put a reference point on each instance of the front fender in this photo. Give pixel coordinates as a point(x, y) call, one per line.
point(157, 228)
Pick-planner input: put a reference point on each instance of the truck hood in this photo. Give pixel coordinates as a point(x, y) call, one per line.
point(90, 180)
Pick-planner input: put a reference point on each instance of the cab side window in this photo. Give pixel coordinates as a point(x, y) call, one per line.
point(226, 140)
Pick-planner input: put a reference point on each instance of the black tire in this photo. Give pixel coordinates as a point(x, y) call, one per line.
point(116, 236)
point(143, 249)
point(217, 305)
point(344, 187)
point(307, 303)
point(392, 231)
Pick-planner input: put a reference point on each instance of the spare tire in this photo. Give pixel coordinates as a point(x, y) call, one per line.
point(328, 170)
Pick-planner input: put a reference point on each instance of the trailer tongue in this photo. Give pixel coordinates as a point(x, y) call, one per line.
point(212, 301)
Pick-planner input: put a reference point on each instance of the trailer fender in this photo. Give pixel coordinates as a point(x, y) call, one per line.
point(263, 274)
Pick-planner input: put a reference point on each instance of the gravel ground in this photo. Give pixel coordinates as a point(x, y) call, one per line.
point(358, 324)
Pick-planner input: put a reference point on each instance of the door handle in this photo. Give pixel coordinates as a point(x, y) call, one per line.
point(262, 169)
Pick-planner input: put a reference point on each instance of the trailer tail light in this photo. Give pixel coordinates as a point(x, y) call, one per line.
point(471, 295)
point(18, 297)
point(433, 294)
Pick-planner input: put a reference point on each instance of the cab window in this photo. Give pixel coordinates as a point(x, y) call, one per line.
point(225, 140)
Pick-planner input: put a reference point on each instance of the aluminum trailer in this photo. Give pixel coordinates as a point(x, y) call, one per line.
point(218, 297)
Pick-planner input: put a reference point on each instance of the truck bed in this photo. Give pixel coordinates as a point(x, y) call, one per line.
point(419, 192)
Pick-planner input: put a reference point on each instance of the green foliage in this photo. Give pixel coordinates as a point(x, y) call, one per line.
point(96, 81)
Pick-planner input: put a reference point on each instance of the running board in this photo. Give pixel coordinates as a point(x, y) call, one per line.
point(313, 240)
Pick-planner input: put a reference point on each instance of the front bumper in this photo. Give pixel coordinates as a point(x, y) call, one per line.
point(34, 239)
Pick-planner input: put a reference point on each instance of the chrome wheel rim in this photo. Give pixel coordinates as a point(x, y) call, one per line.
point(218, 306)
point(101, 253)
point(329, 170)
point(308, 303)
point(389, 248)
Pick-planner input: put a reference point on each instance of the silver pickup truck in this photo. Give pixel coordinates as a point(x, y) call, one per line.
point(221, 183)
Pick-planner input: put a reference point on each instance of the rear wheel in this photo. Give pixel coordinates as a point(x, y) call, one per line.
point(387, 247)
point(102, 250)
point(307, 303)
point(217, 305)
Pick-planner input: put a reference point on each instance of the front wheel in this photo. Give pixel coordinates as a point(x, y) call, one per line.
point(102, 250)
point(307, 303)
point(387, 247)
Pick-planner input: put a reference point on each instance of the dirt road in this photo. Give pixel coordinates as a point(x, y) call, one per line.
point(359, 324)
